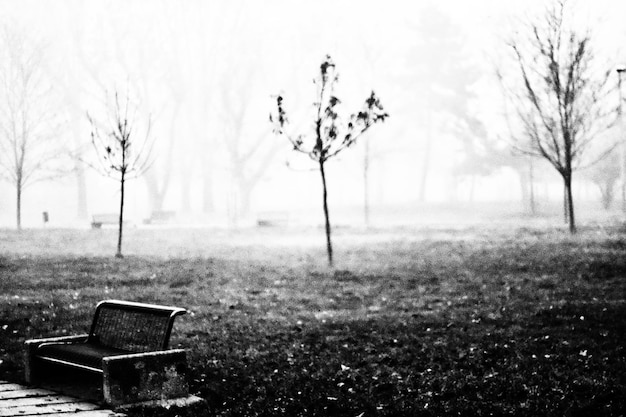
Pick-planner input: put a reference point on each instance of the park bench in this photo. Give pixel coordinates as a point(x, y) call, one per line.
point(272, 219)
point(97, 220)
point(127, 345)
point(160, 217)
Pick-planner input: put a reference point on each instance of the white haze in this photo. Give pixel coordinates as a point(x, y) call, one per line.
point(193, 65)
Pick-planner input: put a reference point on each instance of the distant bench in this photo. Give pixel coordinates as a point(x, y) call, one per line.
point(97, 220)
point(127, 345)
point(160, 216)
point(272, 219)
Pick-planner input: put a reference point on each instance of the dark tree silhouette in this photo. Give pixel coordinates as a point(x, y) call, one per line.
point(330, 135)
point(120, 155)
point(561, 101)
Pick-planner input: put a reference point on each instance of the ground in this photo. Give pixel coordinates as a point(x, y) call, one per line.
point(479, 320)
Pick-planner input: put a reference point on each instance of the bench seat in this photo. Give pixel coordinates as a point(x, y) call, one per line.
point(81, 355)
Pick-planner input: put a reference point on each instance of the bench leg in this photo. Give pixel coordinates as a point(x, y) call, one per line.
point(29, 363)
point(143, 377)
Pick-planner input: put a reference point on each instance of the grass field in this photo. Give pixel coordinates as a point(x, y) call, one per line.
point(410, 322)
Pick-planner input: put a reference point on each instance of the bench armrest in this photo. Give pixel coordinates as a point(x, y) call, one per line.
point(149, 376)
point(60, 339)
point(32, 345)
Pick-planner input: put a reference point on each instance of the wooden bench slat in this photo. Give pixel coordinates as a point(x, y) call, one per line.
point(29, 410)
point(54, 405)
point(9, 387)
point(87, 413)
point(48, 399)
point(23, 393)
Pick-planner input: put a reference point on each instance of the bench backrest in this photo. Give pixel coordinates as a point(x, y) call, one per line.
point(135, 327)
point(106, 218)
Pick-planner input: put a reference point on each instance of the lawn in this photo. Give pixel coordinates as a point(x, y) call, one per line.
point(471, 321)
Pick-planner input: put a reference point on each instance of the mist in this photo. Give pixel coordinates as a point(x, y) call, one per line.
point(203, 76)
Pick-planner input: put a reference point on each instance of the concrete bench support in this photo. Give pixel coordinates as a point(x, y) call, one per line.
point(30, 369)
point(145, 377)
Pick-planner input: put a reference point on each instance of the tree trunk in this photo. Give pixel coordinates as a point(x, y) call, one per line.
point(565, 202)
point(622, 144)
point(185, 185)
point(18, 189)
point(531, 187)
point(606, 192)
point(426, 156)
point(623, 167)
point(245, 195)
point(208, 205)
point(329, 246)
point(523, 183)
point(425, 168)
point(81, 186)
point(154, 194)
point(232, 202)
point(607, 187)
point(569, 202)
point(79, 171)
point(158, 180)
point(119, 235)
point(366, 184)
point(185, 193)
point(472, 188)
point(244, 187)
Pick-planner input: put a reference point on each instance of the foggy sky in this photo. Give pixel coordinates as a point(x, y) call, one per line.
point(205, 72)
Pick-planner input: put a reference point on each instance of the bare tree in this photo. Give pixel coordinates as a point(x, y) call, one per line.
point(561, 102)
point(436, 83)
point(249, 154)
point(330, 137)
point(120, 156)
point(31, 148)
